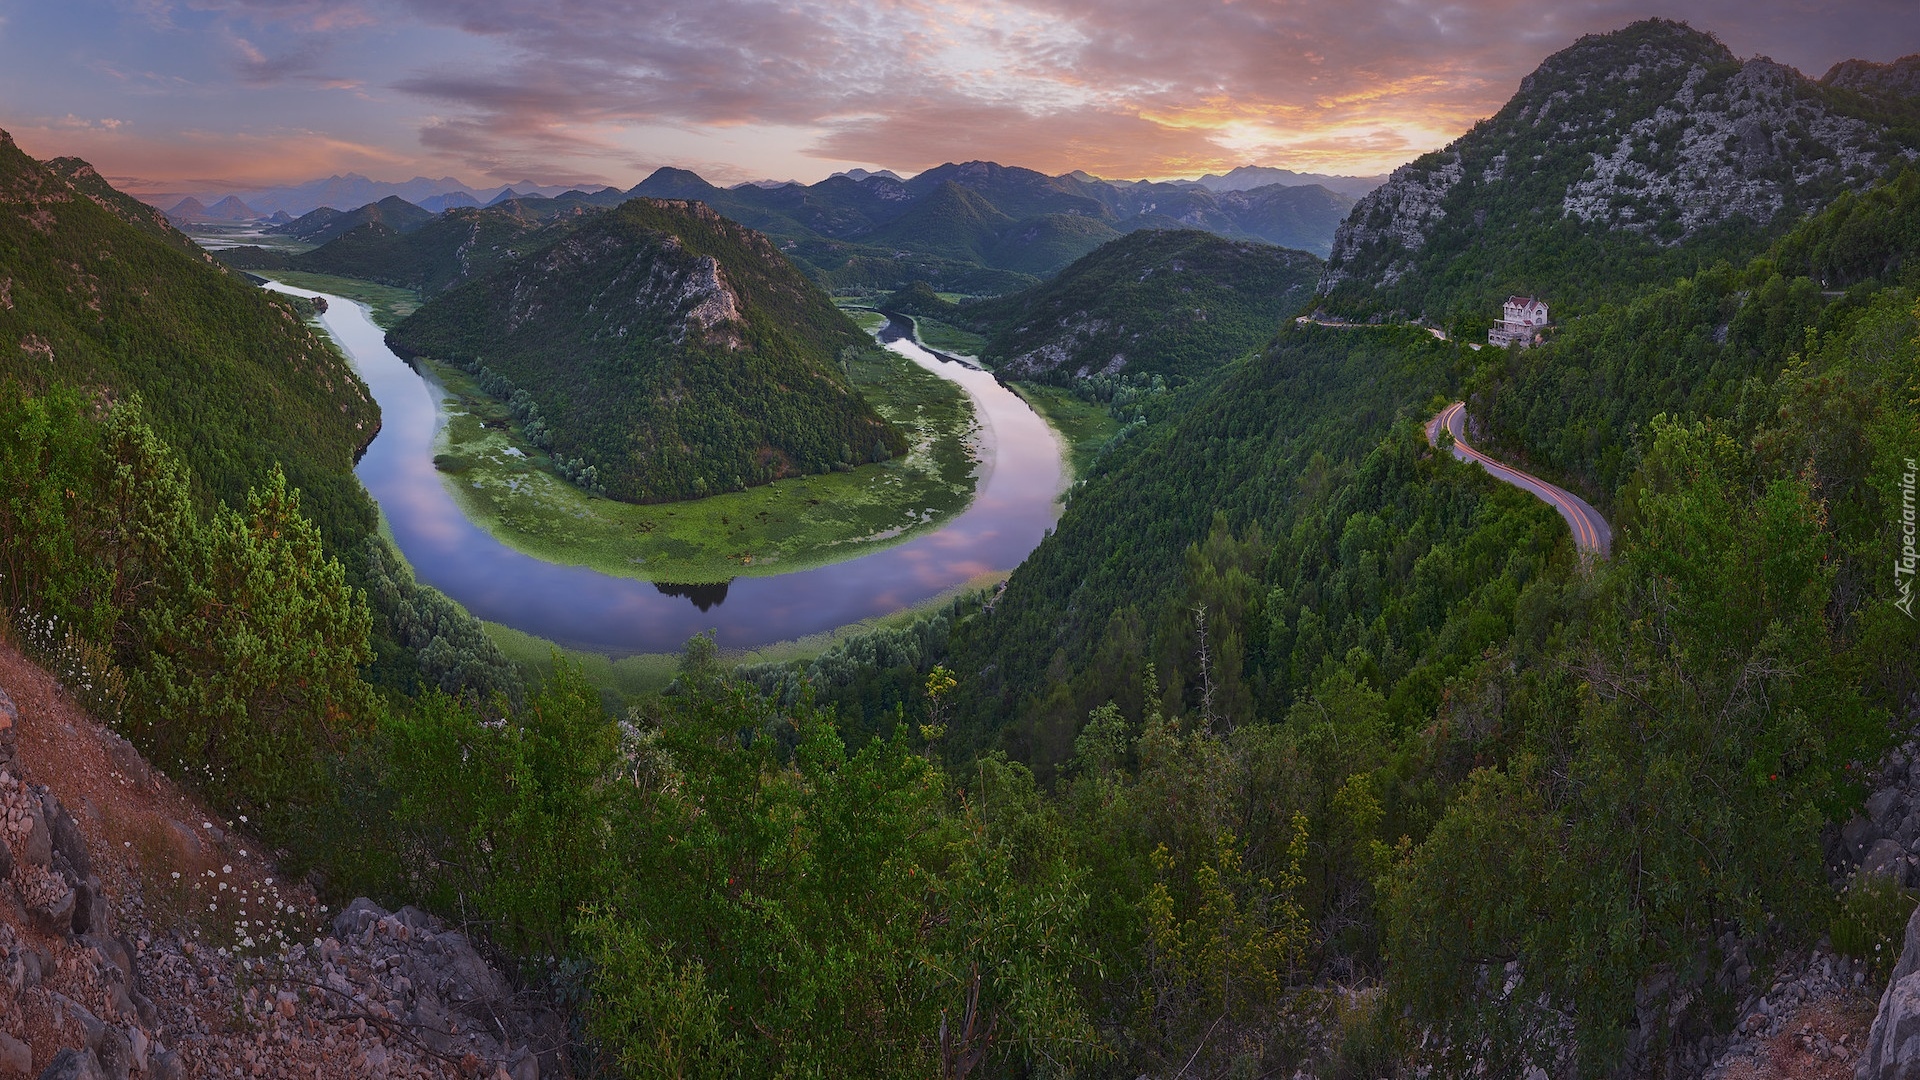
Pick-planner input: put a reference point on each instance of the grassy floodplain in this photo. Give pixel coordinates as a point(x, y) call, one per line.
point(389, 304)
point(506, 485)
point(945, 338)
point(1085, 426)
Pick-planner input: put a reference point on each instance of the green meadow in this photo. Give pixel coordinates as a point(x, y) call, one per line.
point(506, 486)
point(389, 304)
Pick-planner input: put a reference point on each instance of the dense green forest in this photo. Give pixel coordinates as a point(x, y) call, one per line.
point(1175, 303)
point(661, 352)
point(1410, 658)
point(1709, 345)
point(96, 295)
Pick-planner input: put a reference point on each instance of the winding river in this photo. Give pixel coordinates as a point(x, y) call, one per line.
point(1015, 503)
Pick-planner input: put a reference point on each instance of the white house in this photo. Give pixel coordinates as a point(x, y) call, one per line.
point(1523, 318)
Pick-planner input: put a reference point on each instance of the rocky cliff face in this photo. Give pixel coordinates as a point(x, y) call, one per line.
point(1656, 131)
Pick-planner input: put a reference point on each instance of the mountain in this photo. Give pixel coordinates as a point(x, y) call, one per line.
point(356, 190)
point(440, 253)
point(82, 178)
point(1628, 157)
point(1015, 191)
point(1898, 80)
point(976, 227)
point(671, 183)
point(1155, 302)
point(862, 174)
point(1247, 177)
point(1296, 217)
point(231, 209)
point(326, 223)
point(1059, 218)
point(188, 209)
point(94, 295)
point(228, 209)
point(449, 201)
point(662, 352)
point(948, 220)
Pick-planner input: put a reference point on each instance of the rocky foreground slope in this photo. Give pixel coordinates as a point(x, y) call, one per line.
point(141, 936)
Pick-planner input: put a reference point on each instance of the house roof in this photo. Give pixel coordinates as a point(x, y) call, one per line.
point(1522, 301)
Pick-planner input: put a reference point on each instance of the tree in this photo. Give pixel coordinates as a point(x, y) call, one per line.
point(249, 666)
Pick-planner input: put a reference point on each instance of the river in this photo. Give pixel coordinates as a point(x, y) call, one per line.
point(1015, 502)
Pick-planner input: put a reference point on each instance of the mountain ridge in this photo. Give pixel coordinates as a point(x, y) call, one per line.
point(1634, 147)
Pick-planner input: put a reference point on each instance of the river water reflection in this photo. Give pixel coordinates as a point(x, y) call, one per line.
point(1016, 501)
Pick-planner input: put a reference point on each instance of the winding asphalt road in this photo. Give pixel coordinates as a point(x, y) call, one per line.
point(1591, 533)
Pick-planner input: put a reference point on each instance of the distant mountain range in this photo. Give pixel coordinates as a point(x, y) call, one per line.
point(976, 227)
point(353, 190)
point(344, 193)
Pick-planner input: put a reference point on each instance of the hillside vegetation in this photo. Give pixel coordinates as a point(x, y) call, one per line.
point(98, 295)
point(1279, 644)
point(429, 259)
point(661, 352)
point(1157, 302)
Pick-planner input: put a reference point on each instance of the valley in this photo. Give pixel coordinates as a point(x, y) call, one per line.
point(971, 621)
point(609, 611)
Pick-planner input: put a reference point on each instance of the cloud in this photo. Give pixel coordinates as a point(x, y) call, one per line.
point(285, 156)
point(1135, 86)
point(298, 60)
point(71, 122)
point(1119, 87)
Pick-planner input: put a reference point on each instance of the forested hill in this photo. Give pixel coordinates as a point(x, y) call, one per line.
point(1282, 660)
point(1627, 159)
point(1157, 302)
point(324, 224)
point(97, 294)
point(453, 247)
point(662, 352)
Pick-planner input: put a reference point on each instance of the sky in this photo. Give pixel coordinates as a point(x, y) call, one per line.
point(203, 94)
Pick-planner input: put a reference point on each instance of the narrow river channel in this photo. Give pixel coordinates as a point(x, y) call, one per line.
point(1017, 500)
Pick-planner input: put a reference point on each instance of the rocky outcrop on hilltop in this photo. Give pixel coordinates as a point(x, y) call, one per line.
point(141, 936)
point(1656, 133)
point(1898, 79)
point(1743, 147)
